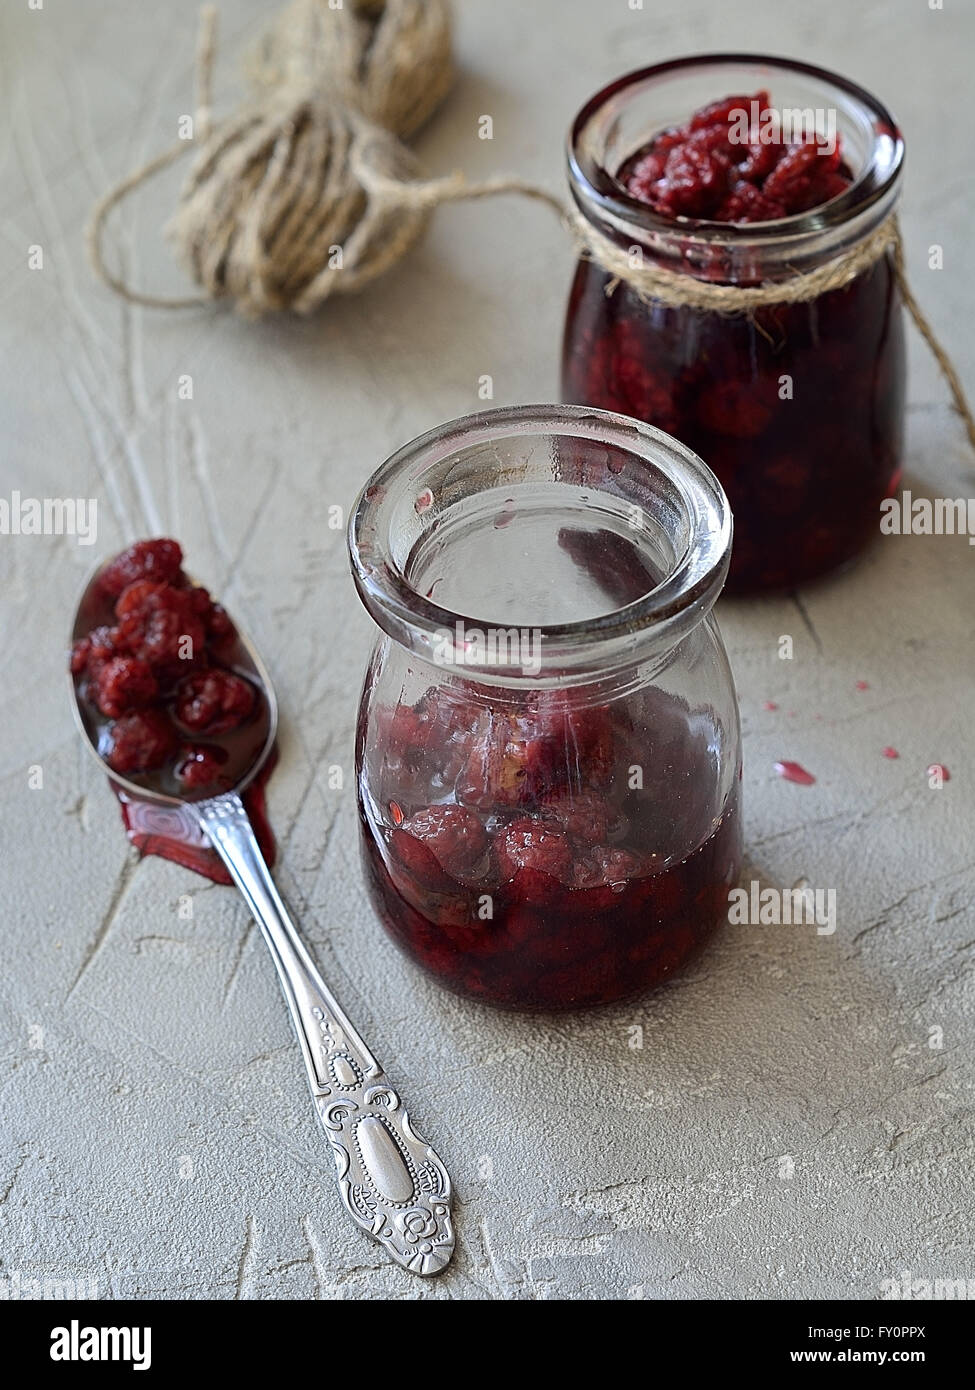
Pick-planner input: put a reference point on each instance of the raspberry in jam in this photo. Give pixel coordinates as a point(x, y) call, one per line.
point(797, 406)
point(731, 162)
point(161, 679)
point(574, 894)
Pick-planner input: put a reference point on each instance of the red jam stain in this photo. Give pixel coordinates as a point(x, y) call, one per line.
point(172, 832)
point(891, 753)
point(795, 772)
point(863, 685)
point(770, 705)
point(939, 770)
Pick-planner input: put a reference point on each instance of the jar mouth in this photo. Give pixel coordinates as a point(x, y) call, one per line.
point(600, 195)
point(591, 463)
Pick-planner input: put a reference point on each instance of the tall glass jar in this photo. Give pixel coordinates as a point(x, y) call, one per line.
point(798, 407)
point(548, 751)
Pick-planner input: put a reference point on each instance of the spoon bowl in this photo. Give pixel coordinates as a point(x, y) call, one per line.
point(249, 748)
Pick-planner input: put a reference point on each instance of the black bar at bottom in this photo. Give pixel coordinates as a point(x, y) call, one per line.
point(96, 1337)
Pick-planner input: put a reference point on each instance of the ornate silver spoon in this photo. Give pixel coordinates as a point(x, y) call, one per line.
point(391, 1182)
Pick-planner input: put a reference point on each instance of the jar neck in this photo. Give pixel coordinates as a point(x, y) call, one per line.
point(495, 547)
point(625, 116)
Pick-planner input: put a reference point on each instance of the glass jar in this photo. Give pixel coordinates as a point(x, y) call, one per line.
point(798, 407)
point(548, 749)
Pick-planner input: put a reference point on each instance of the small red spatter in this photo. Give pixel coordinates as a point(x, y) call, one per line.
point(795, 772)
point(891, 753)
point(939, 770)
point(863, 685)
point(770, 704)
point(396, 813)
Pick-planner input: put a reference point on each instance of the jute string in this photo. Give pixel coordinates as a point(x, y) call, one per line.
point(649, 281)
point(652, 282)
point(311, 178)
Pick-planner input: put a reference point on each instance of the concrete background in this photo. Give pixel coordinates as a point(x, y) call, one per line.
point(790, 1126)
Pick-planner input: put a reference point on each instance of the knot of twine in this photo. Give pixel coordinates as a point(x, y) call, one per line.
point(650, 282)
point(308, 190)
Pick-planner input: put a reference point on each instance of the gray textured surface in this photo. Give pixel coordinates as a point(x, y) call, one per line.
point(157, 1133)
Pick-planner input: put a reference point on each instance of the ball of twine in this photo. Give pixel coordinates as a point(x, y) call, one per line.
point(308, 190)
point(391, 60)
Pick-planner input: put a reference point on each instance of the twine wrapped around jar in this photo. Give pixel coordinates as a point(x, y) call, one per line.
point(650, 282)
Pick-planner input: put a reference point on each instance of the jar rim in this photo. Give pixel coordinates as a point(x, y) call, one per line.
point(657, 620)
point(595, 189)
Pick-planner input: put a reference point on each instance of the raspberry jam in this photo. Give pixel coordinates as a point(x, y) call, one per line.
point(165, 687)
point(591, 892)
point(706, 169)
point(551, 822)
point(798, 407)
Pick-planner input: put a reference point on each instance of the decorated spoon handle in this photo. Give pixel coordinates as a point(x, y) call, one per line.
point(392, 1183)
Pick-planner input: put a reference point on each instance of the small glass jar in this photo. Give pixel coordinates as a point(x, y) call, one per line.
point(548, 751)
point(798, 407)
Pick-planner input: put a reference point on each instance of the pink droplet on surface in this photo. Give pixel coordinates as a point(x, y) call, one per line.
point(795, 772)
point(506, 515)
point(939, 770)
point(770, 704)
point(891, 753)
point(424, 500)
point(863, 685)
